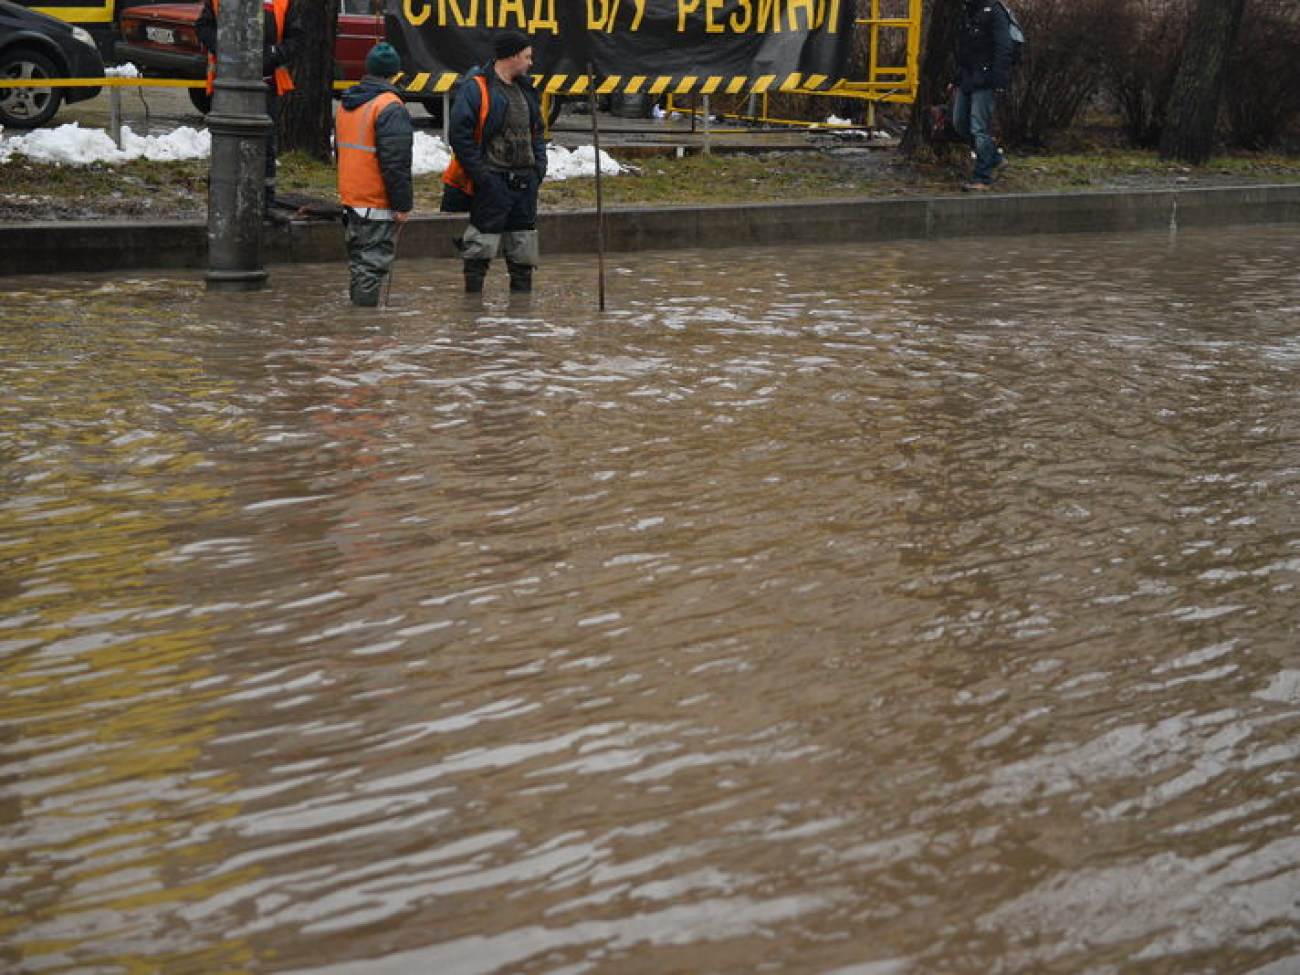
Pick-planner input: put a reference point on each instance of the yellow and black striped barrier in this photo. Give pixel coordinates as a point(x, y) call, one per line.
point(550, 86)
point(560, 84)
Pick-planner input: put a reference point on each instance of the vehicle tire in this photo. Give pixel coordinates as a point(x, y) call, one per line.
point(200, 99)
point(27, 108)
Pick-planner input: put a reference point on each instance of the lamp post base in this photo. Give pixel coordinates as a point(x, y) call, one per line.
point(239, 125)
point(228, 281)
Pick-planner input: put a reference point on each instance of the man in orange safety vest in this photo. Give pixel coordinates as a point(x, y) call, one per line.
point(281, 40)
point(498, 138)
point(373, 139)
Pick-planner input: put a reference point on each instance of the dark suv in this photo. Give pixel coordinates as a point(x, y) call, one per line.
point(34, 46)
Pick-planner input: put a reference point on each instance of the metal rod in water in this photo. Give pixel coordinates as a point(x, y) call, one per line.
point(388, 284)
point(600, 204)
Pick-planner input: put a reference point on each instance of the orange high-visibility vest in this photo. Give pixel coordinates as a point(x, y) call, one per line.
point(454, 174)
point(280, 10)
point(361, 183)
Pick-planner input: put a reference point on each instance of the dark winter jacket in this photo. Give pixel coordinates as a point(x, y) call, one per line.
point(465, 115)
point(276, 52)
point(984, 48)
point(394, 137)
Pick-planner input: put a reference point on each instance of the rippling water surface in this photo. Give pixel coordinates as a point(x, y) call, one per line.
point(862, 611)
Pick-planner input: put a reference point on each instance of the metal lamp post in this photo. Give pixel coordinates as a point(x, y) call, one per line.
point(239, 126)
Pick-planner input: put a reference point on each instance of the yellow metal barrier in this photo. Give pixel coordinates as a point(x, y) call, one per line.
point(882, 80)
point(885, 81)
point(96, 83)
point(116, 84)
point(121, 83)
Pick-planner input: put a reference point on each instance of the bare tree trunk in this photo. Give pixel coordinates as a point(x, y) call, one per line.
point(307, 113)
point(1198, 88)
point(938, 61)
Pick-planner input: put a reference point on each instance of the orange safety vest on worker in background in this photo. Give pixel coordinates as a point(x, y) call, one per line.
point(361, 182)
point(279, 9)
point(454, 175)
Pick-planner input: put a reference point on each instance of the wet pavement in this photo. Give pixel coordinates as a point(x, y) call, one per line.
point(917, 608)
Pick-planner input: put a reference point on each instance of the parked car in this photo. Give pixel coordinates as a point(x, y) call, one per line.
point(160, 40)
point(99, 17)
point(34, 46)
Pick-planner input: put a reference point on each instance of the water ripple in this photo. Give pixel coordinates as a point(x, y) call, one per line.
point(927, 611)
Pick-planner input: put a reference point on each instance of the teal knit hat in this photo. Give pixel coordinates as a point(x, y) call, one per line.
point(383, 61)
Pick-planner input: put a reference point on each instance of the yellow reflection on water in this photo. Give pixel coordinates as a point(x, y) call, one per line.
point(106, 698)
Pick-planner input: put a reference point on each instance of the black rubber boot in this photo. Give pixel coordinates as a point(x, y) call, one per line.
point(521, 276)
point(363, 298)
point(475, 271)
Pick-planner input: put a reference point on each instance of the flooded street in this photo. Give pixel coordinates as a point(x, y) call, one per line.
point(918, 608)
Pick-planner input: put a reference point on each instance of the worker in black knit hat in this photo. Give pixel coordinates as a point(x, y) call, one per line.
point(498, 138)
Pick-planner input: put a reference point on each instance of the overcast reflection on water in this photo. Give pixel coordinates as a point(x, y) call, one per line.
point(919, 608)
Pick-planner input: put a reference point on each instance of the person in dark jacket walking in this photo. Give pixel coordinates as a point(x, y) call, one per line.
point(500, 160)
point(281, 41)
point(984, 63)
point(373, 137)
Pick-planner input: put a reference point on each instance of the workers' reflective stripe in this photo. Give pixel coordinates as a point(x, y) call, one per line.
point(358, 146)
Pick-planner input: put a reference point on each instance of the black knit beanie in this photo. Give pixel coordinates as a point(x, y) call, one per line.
point(509, 43)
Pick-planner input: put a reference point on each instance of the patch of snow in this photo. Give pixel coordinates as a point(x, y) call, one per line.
point(73, 145)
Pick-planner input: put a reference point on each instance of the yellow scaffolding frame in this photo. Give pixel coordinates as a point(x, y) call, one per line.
point(887, 82)
point(882, 82)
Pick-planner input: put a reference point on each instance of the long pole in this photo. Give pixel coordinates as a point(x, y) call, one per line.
point(600, 203)
point(388, 284)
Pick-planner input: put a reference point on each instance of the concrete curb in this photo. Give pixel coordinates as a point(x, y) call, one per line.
point(44, 248)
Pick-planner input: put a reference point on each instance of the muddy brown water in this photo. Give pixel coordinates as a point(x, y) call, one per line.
point(909, 609)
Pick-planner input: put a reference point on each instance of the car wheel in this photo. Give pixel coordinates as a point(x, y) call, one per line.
point(200, 99)
point(27, 108)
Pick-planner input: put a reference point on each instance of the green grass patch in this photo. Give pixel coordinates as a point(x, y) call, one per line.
point(35, 190)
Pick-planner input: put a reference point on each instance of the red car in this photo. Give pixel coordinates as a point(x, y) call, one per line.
point(159, 39)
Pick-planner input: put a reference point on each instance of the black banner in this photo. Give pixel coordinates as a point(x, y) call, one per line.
point(635, 46)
